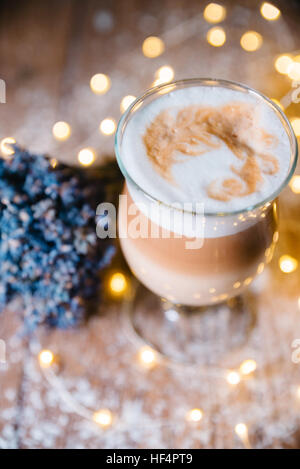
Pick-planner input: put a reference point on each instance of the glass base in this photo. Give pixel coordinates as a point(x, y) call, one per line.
point(207, 336)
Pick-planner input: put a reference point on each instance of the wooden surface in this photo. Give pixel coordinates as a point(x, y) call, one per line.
point(48, 52)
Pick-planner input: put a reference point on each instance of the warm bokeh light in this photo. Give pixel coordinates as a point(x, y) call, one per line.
point(46, 358)
point(61, 130)
point(86, 156)
point(260, 268)
point(295, 184)
point(107, 126)
point(147, 357)
point(214, 13)
point(100, 83)
point(126, 102)
point(153, 47)
point(248, 281)
point(216, 36)
point(103, 417)
point(296, 125)
point(241, 430)
point(164, 75)
point(118, 283)
point(6, 149)
point(53, 162)
point(248, 367)
point(293, 71)
point(194, 415)
point(282, 63)
point(237, 285)
point(251, 41)
point(288, 264)
point(276, 101)
point(233, 378)
point(269, 11)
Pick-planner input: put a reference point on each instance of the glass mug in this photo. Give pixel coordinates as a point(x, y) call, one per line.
point(232, 249)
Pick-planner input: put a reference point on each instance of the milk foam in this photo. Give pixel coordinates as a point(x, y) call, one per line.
point(193, 175)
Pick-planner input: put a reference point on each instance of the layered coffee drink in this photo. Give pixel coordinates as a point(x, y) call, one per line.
point(203, 163)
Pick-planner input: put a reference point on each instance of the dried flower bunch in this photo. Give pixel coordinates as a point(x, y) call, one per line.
point(49, 253)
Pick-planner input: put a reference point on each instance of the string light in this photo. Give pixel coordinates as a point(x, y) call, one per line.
point(248, 367)
point(248, 281)
point(241, 430)
point(53, 162)
point(260, 268)
point(107, 126)
point(293, 71)
point(153, 47)
point(288, 264)
point(233, 378)
point(282, 63)
point(216, 36)
point(61, 130)
point(295, 184)
point(126, 101)
point(269, 11)
point(194, 415)
point(147, 357)
point(236, 284)
point(5, 146)
point(100, 83)
point(251, 41)
point(164, 75)
point(103, 417)
point(214, 13)
point(86, 156)
point(46, 358)
point(296, 125)
point(118, 283)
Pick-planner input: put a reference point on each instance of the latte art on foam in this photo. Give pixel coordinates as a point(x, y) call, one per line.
point(225, 148)
point(195, 130)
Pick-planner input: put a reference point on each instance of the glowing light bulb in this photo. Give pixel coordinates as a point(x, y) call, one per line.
point(53, 162)
point(296, 125)
point(100, 83)
point(118, 283)
point(260, 268)
point(214, 13)
point(241, 430)
point(237, 285)
point(194, 415)
point(295, 184)
point(126, 101)
point(5, 146)
point(107, 126)
point(46, 358)
point(251, 41)
point(248, 367)
point(293, 71)
point(86, 156)
point(233, 378)
point(288, 264)
point(153, 47)
point(164, 75)
point(282, 63)
point(216, 36)
point(147, 357)
point(61, 130)
point(248, 281)
point(103, 417)
point(269, 11)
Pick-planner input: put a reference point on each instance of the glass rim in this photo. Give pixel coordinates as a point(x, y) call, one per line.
point(208, 82)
